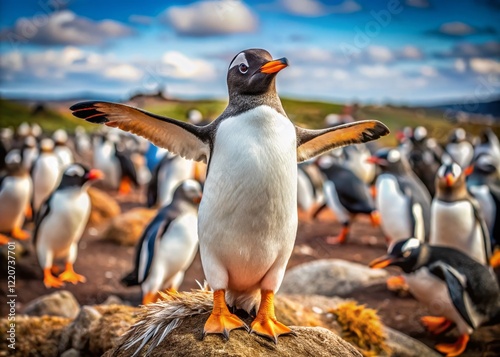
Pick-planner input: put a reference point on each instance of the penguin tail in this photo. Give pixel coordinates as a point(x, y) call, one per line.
point(157, 320)
point(131, 279)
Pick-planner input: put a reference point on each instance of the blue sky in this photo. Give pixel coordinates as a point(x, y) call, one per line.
point(407, 51)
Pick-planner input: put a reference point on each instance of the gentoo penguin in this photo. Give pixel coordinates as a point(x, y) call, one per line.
point(168, 245)
point(489, 145)
point(83, 144)
point(453, 286)
point(356, 157)
point(113, 159)
point(15, 194)
point(61, 149)
point(402, 199)
point(45, 173)
point(248, 215)
point(29, 152)
point(460, 150)
point(309, 188)
point(60, 224)
point(346, 195)
point(424, 156)
point(456, 219)
point(170, 171)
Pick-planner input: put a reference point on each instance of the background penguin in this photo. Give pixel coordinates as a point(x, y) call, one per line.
point(248, 214)
point(168, 245)
point(61, 149)
point(356, 157)
point(460, 150)
point(424, 156)
point(15, 194)
point(29, 152)
point(46, 174)
point(456, 219)
point(168, 174)
point(345, 194)
point(489, 145)
point(83, 144)
point(453, 286)
point(402, 199)
point(309, 188)
point(60, 224)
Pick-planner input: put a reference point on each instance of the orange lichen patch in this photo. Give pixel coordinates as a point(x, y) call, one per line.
point(362, 327)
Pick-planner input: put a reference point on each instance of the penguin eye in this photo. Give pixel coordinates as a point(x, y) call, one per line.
point(243, 68)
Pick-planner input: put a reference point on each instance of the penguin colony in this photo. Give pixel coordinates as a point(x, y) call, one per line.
point(437, 205)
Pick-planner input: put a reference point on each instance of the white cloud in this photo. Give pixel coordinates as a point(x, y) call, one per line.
point(484, 65)
point(428, 71)
point(123, 72)
point(314, 8)
point(206, 18)
point(460, 65)
point(377, 71)
point(456, 29)
point(63, 28)
point(178, 65)
point(380, 53)
point(411, 52)
point(12, 61)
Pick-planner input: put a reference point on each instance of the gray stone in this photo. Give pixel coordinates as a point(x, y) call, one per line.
point(71, 353)
point(113, 300)
point(405, 346)
point(61, 303)
point(330, 277)
point(76, 334)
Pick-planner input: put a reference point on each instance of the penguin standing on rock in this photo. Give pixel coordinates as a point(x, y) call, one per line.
point(60, 224)
point(168, 244)
point(15, 193)
point(456, 218)
point(402, 199)
point(455, 287)
point(248, 215)
point(46, 173)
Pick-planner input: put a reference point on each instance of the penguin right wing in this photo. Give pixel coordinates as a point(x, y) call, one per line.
point(189, 141)
point(40, 216)
point(456, 284)
point(311, 143)
point(478, 215)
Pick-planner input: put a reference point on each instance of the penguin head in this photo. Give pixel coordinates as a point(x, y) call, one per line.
point(420, 133)
point(77, 175)
point(403, 253)
point(458, 135)
point(14, 161)
point(189, 191)
point(47, 145)
point(29, 142)
point(450, 175)
point(485, 164)
point(60, 137)
point(253, 72)
point(388, 159)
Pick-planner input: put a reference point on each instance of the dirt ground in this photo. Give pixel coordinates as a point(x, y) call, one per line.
point(104, 263)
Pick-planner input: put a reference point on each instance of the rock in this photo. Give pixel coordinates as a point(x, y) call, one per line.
point(330, 277)
point(35, 336)
point(186, 341)
point(104, 207)
point(403, 345)
point(127, 228)
point(76, 334)
point(113, 300)
point(61, 303)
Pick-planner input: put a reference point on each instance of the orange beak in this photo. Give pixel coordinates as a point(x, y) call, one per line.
point(95, 175)
point(373, 160)
point(197, 199)
point(274, 66)
point(450, 180)
point(469, 170)
point(381, 262)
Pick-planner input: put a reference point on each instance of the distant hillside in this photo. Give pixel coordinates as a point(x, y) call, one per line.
point(309, 114)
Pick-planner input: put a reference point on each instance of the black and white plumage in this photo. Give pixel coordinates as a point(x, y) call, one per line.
point(29, 152)
point(61, 149)
point(459, 148)
point(309, 186)
point(402, 199)
point(46, 174)
point(449, 283)
point(60, 223)
point(248, 216)
point(345, 194)
point(168, 245)
point(456, 218)
point(15, 194)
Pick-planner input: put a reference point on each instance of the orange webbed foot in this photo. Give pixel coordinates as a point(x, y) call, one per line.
point(20, 234)
point(454, 349)
point(70, 276)
point(266, 324)
point(221, 320)
point(436, 324)
point(51, 281)
point(3, 239)
point(125, 186)
point(375, 218)
point(28, 212)
point(341, 238)
point(495, 259)
point(150, 298)
point(397, 283)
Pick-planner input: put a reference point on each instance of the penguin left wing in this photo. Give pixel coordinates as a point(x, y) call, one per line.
point(456, 284)
point(311, 143)
point(189, 141)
